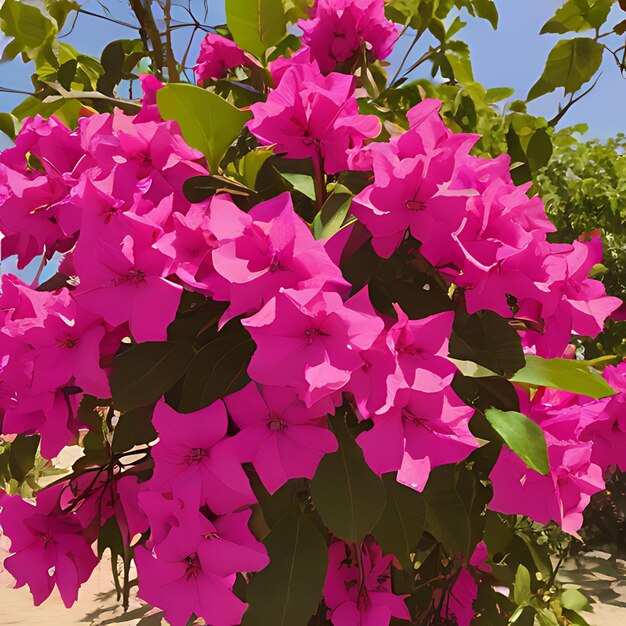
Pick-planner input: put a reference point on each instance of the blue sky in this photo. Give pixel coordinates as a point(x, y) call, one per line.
point(512, 56)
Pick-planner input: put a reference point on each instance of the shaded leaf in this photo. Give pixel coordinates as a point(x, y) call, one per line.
point(401, 526)
point(133, 428)
point(218, 369)
point(521, 588)
point(349, 497)
point(289, 589)
point(489, 340)
point(143, 373)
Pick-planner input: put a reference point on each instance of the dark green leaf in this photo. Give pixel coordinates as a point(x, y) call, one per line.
point(8, 125)
point(288, 590)
point(566, 374)
point(571, 63)
point(143, 373)
point(489, 340)
point(133, 428)
point(522, 436)
point(349, 497)
point(539, 150)
point(208, 122)
point(256, 25)
point(66, 73)
point(217, 370)
point(110, 538)
point(401, 526)
point(447, 510)
point(22, 456)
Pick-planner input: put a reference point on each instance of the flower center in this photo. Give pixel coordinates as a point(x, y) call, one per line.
point(311, 333)
point(136, 276)
point(274, 263)
point(415, 205)
point(68, 341)
point(196, 455)
point(275, 423)
point(193, 566)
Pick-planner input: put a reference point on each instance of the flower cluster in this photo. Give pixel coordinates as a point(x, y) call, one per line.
point(585, 438)
point(108, 198)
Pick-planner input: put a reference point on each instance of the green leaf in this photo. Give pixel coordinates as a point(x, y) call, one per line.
point(489, 340)
point(574, 600)
point(447, 510)
point(217, 370)
point(487, 10)
point(402, 524)
point(143, 373)
point(497, 94)
point(9, 125)
point(521, 589)
point(330, 220)
point(132, 429)
point(22, 455)
point(539, 150)
point(207, 122)
point(256, 25)
point(566, 374)
point(110, 538)
point(349, 497)
point(247, 168)
point(302, 183)
point(578, 15)
point(571, 63)
point(27, 24)
point(288, 590)
point(522, 436)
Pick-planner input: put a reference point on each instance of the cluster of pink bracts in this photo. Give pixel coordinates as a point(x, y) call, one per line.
point(108, 196)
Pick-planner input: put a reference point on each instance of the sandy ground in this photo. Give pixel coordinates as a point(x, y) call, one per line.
point(597, 573)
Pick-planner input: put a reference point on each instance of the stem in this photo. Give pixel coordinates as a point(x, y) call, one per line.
point(108, 19)
point(319, 181)
point(173, 74)
point(42, 265)
point(418, 34)
point(573, 100)
point(126, 590)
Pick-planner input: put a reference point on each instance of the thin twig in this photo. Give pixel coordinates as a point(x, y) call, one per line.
point(573, 100)
point(108, 19)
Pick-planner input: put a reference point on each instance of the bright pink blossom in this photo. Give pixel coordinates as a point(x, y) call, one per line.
point(192, 571)
point(190, 454)
point(47, 545)
point(561, 496)
point(279, 435)
point(311, 340)
point(313, 116)
point(217, 56)
point(361, 598)
point(341, 29)
point(419, 432)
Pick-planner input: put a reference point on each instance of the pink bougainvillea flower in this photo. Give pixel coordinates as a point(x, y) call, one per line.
point(279, 435)
point(193, 570)
point(126, 283)
point(561, 496)
point(47, 545)
point(419, 432)
point(190, 451)
point(420, 348)
point(311, 340)
point(356, 598)
point(341, 29)
point(312, 116)
point(460, 600)
point(276, 249)
point(413, 187)
point(67, 349)
point(217, 55)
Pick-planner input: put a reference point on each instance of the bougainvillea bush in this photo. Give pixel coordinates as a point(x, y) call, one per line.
point(317, 363)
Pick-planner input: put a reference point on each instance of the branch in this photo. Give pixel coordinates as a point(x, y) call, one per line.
point(573, 100)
